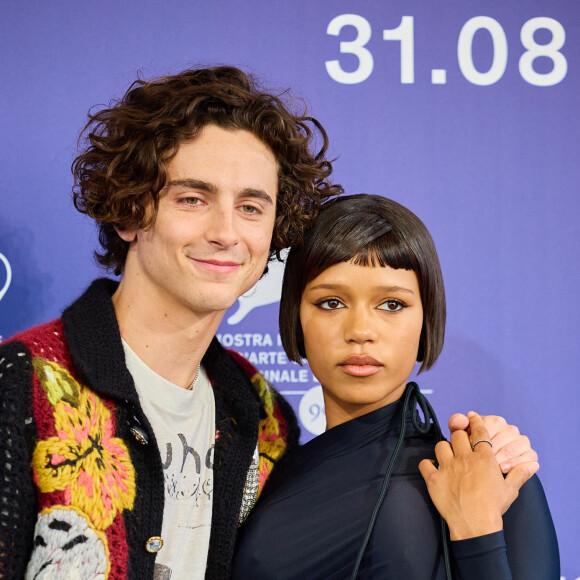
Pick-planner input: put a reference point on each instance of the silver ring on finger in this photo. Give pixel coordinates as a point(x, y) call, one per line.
point(481, 441)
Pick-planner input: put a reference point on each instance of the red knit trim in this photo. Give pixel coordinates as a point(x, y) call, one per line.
point(118, 549)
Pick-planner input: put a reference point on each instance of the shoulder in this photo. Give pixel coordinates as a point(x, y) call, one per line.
point(530, 534)
point(17, 352)
point(48, 340)
point(530, 509)
point(39, 340)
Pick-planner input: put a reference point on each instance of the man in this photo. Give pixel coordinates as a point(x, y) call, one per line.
point(133, 443)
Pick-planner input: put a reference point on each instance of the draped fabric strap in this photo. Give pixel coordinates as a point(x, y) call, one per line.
point(430, 419)
point(412, 399)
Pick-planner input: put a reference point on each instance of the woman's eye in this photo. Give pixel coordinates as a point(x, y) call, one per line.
point(331, 304)
point(392, 305)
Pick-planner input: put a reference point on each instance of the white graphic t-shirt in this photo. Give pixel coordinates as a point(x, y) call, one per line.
point(184, 425)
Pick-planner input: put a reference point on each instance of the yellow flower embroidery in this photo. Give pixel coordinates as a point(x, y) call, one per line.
point(56, 381)
point(84, 460)
point(271, 444)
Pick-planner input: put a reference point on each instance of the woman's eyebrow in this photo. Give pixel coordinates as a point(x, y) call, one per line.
point(338, 286)
point(395, 289)
point(327, 287)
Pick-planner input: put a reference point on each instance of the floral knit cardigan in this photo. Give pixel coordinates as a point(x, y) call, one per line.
point(82, 481)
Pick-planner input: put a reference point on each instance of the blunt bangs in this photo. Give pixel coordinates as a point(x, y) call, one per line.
point(364, 237)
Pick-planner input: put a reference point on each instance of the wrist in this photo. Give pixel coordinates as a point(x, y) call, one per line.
point(465, 530)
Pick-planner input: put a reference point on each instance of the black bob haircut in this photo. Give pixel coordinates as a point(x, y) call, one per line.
point(368, 230)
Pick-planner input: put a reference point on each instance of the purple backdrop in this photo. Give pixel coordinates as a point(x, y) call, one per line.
point(466, 112)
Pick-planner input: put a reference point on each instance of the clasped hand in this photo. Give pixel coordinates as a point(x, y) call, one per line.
point(468, 487)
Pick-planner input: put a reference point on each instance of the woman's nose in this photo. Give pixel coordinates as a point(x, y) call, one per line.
point(359, 326)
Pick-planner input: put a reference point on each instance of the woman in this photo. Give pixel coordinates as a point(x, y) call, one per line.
point(363, 300)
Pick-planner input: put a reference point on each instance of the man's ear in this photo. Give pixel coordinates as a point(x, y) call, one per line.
point(127, 235)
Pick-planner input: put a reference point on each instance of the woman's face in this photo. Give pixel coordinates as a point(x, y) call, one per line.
point(361, 328)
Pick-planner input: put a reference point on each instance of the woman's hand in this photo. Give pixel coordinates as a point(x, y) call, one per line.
point(468, 488)
point(510, 447)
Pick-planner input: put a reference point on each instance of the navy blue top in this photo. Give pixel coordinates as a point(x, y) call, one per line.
point(315, 508)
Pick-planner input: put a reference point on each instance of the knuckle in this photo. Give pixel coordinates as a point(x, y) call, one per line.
point(511, 450)
point(457, 435)
point(494, 421)
point(518, 446)
point(530, 455)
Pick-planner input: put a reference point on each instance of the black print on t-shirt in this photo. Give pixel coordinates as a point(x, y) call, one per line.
point(161, 572)
point(182, 485)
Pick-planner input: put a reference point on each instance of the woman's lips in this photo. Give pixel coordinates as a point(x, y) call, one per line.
point(360, 366)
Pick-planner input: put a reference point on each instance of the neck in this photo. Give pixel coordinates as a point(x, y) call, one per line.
point(169, 338)
point(339, 411)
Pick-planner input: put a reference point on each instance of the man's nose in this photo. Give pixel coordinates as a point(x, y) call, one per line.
point(221, 228)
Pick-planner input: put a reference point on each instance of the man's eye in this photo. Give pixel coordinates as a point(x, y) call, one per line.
point(392, 305)
point(250, 209)
point(330, 304)
point(190, 200)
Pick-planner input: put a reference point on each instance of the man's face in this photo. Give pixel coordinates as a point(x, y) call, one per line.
point(211, 237)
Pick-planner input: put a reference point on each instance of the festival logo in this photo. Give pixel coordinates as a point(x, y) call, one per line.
point(6, 265)
point(264, 350)
point(266, 291)
point(311, 411)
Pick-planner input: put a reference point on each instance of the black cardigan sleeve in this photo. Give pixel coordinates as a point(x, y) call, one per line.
point(17, 496)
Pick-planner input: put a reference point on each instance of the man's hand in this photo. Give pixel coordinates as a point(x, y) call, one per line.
point(510, 447)
point(467, 487)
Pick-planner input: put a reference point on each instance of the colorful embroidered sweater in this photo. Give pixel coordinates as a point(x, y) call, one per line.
point(82, 480)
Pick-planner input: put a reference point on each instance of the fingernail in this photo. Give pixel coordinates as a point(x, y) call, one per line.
point(505, 467)
point(471, 414)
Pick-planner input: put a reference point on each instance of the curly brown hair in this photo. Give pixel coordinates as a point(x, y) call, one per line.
point(123, 169)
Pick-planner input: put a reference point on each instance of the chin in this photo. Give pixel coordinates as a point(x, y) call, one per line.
point(214, 303)
point(374, 400)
